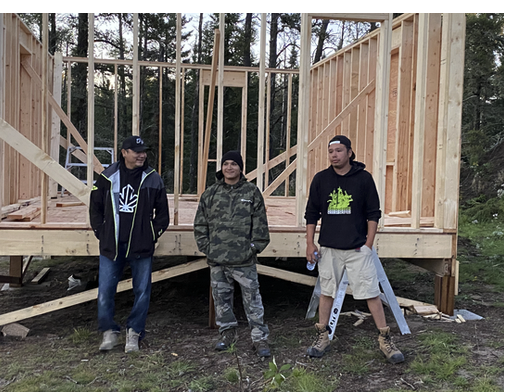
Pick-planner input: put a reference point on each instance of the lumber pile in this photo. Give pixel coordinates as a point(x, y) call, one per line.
point(25, 214)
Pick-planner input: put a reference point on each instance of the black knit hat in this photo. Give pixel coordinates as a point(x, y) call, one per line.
point(134, 143)
point(341, 139)
point(233, 156)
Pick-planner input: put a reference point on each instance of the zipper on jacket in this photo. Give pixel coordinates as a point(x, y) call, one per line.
point(111, 191)
point(135, 213)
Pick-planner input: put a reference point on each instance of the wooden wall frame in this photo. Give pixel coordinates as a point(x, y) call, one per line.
point(351, 92)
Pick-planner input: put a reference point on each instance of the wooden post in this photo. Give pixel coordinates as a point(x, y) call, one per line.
point(181, 159)
point(400, 199)
point(160, 118)
point(444, 293)
point(2, 109)
point(54, 145)
point(16, 269)
point(303, 119)
point(267, 129)
point(136, 81)
point(261, 105)
point(200, 150)
point(44, 142)
point(381, 110)
point(115, 112)
point(210, 107)
point(244, 119)
point(450, 120)
point(288, 130)
point(419, 131)
point(219, 117)
point(69, 102)
point(91, 102)
point(177, 138)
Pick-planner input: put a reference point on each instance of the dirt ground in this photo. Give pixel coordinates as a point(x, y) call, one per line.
point(177, 324)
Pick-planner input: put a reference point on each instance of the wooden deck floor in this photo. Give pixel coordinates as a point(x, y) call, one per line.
point(68, 213)
point(68, 233)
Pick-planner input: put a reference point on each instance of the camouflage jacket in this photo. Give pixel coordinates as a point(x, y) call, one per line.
point(230, 225)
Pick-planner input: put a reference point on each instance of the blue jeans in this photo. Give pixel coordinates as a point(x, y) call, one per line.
point(110, 272)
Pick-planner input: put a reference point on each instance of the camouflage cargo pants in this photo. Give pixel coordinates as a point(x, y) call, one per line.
point(222, 283)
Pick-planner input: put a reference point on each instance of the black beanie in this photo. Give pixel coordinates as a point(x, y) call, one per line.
point(233, 156)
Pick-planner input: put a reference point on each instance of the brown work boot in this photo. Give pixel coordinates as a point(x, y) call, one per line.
point(388, 348)
point(228, 337)
point(321, 343)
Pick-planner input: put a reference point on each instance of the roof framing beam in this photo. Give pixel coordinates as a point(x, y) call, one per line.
point(354, 17)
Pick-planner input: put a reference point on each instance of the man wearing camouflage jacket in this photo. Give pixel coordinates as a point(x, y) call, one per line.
point(230, 228)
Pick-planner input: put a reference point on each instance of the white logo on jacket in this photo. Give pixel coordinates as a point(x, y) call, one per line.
point(127, 199)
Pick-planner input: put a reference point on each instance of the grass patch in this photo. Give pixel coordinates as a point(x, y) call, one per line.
point(485, 384)
point(301, 380)
point(202, 384)
point(289, 341)
point(81, 335)
point(364, 353)
point(441, 357)
point(180, 368)
point(231, 375)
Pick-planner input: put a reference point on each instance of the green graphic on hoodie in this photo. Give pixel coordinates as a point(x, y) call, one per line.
point(339, 202)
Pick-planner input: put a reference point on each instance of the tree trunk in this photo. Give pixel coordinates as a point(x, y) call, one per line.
point(321, 40)
point(80, 76)
point(247, 40)
point(52, 33)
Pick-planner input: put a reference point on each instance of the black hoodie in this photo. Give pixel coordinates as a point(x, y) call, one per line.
point(344, 204)
point(150, 216)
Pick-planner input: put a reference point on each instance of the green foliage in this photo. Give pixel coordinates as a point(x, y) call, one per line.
point(302, 380)
point(481, 227)
point(442, 358)
point(231, 375)
point(364, 353)
point(482, 210)
point(483, 106)
point(81, 335)
point(276, 376)
point(202, 384)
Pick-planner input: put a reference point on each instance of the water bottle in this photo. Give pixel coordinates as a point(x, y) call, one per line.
point(310, 266)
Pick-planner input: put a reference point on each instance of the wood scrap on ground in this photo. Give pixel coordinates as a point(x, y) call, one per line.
point(426, 310)
point(25, 214)
point(69, 204)
point(40, 276)
point(357, 313)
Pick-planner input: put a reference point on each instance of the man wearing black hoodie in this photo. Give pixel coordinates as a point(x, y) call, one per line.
point(128, 213)
point(344, 196)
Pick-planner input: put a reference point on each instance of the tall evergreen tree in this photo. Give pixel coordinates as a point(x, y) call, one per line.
point(483, 107)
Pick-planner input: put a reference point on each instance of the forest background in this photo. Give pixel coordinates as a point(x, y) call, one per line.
point(482, 164)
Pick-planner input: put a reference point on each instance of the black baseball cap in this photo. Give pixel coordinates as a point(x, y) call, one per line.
point(341, 139)
point(134, 143)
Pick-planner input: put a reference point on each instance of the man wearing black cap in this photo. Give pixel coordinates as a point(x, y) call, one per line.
point(231, 228)
point(128, 213)
point(344, 196)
